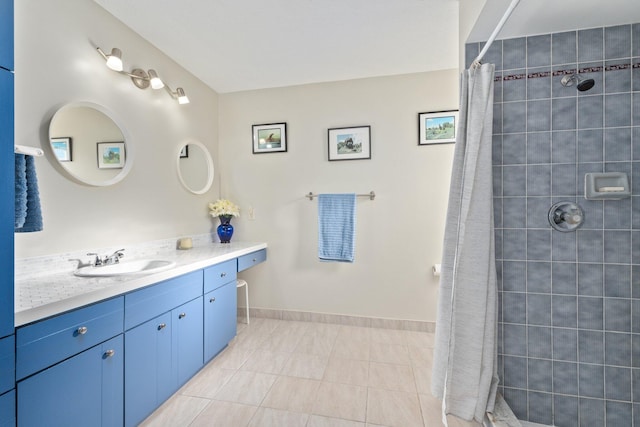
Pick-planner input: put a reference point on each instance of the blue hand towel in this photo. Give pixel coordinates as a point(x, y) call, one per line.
point(33, 218)
point(21, 190)
point(336, 227)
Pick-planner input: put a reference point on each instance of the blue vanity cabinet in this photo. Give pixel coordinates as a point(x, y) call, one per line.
point(220, 307)
point(251, 259)
point(84, 390)
point(7, 166)
point(70, 368)
point(8, 409)
point(164, 351)
point(6, 34)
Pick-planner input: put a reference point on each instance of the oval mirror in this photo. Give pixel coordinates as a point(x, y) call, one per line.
point(90, 144)
point(195, 167)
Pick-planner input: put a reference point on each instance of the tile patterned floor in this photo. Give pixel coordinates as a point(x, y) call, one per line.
point(303, 374)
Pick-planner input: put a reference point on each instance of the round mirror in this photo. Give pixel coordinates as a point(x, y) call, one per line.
point(90, 144)
point(195, 167)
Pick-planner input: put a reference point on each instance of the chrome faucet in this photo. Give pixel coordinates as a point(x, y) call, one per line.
point(114, 258)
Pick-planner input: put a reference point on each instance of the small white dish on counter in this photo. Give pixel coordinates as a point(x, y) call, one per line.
point(141, 266)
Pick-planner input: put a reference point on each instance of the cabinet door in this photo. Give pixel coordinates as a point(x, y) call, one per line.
point(85, 390)
point(220, 312)
point(6, 34)
point(8, 409)
point(187, 342)
point(148, 378)
point(7, 206)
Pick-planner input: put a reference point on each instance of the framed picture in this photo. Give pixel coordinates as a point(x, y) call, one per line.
point(185, 151)
point(111, 155)
point(352, 143)
point(62, 148)
point(269, 138)
point(438, 127)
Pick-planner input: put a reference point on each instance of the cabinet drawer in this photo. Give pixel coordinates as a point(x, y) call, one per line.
point(219, 274)
point(249, 260)
point(154, 300)
point(44, 343)
point(7, 364)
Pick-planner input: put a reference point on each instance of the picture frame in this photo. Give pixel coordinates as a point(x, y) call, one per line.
point(437, 127)
point(62, 148)
point(349, 143)
point(184, 152)
point(269, 138)
point(111, 155)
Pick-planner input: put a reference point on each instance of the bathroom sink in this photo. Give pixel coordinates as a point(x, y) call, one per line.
point(140, 266)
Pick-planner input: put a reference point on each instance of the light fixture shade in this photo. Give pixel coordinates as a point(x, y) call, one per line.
point(156, 82)
point(114, 59)
point(182, 98)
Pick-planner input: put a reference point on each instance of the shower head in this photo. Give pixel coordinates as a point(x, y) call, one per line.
point(581, 84)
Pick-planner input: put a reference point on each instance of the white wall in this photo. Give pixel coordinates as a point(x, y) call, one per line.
point(399, 234)
point(468, 12)
point(57, 63)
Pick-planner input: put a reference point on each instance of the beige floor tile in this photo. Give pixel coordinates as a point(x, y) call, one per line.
point(421, 355)
point(284, 341)
point(391, 377)
point(431, 410)
point(232, 357)
point(268, 362)
point(390, 353)
point(305, 366)
point(251, 340)
point(393, 408)
point(320, 421)
point(316, 344)
point(249, 388)
point(422, 375)
point(224, 414)
point(388, 336)
point(347, 371)
point(420, 339)
point(347, 349)
point(341, 401)
point(177, 411)
point(354, 333)
point(267, 417)
point(207, 382)
point(292, 394)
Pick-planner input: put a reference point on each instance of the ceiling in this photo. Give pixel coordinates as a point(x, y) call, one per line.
point(253, 44)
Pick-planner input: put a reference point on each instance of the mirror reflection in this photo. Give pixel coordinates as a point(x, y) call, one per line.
point(89, 145)
point(195, 167)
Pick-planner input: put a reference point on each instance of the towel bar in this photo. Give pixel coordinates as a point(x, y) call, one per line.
point(371, 195)
point(31, 151)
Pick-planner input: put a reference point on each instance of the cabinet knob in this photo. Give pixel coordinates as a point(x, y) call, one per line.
point(212, 299)
point(109, 353)
point(181, 315)
point(223, 274)
point(254, 260)
point(81, 330)
point(161, 326)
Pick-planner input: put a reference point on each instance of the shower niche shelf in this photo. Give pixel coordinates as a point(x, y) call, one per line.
point(606, 186)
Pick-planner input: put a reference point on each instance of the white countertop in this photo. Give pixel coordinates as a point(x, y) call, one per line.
point(45, 295)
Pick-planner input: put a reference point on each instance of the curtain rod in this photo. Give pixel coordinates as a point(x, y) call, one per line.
point(30, 151)
point(371, 195)
point(503, 20)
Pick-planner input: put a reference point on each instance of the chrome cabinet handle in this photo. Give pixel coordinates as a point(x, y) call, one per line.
point(223, 274)
point(212, 299)
point(109, 353)
point(81, 330)
point(254, 260)
point(182, 315)
point(161, 326)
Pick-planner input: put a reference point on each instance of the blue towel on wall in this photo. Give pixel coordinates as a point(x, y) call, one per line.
point(27, 192)
point(336, 227)
point(21, 190)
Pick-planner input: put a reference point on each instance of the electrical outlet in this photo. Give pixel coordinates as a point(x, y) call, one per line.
point(252, 213)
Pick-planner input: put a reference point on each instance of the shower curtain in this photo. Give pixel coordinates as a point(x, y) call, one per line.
point(464, 367)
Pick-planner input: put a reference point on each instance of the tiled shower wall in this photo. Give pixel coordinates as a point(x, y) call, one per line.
point(569, 326)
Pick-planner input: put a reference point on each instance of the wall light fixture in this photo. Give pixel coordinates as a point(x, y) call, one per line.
point(141, 79)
